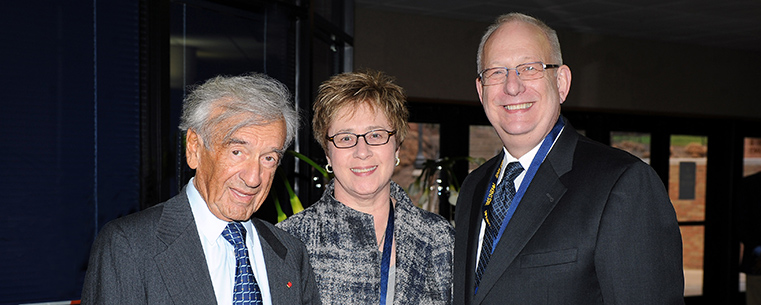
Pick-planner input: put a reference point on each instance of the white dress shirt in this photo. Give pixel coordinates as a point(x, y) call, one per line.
point(220, 254)
point(525, 162)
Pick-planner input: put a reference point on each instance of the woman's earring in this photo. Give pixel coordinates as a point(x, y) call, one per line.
point(328, 168)
point(397, 161)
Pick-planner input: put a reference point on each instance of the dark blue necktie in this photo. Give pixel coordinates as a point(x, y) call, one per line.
point(246, 290)
point(502, 198)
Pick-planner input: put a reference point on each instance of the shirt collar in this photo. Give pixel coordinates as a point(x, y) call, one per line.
point(527, 158)
point(209, 226)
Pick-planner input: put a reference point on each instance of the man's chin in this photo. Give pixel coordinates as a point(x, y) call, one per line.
point(242, 215)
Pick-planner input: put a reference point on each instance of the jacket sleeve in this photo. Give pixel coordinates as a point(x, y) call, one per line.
point(639, 250)
point(112, 275)
point(310, 295)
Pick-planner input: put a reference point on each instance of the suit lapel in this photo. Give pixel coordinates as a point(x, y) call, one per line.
point(543, 193)
point(472, 223)
point(182, 262)
point(279, 273)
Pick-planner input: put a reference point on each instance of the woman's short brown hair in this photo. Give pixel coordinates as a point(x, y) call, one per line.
point(351, 89)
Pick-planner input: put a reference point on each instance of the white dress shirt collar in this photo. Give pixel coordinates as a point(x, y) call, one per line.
point(220, 255)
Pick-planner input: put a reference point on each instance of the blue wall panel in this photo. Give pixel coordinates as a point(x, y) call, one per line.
point(70, 150)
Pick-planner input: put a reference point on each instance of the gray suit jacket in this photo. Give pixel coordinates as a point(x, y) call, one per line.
point(594, 227)
point(155, 257)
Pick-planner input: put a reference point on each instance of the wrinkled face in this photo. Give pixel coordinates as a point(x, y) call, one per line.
point(522, 112)
point(235, 175)
point(362, 171)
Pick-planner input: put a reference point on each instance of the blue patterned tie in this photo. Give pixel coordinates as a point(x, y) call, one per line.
point(502, 198)
point(246, 290)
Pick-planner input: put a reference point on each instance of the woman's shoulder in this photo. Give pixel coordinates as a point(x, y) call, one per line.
point(323, 211)
point(300, 220)
point(425, 229)
point(426, 218)
point(425, 223)
point(416, 215)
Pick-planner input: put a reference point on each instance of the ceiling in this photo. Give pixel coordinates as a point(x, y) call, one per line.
point(734, 24)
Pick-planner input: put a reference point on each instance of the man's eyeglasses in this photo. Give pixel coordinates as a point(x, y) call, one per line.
point(373, 138)
point(527, 71)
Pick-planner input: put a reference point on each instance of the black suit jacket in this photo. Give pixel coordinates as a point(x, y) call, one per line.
point(595, 226)
point(155, 257)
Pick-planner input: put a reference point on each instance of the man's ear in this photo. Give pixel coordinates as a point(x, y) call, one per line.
point(192, 148)
point(479, 89)
point(563, 82)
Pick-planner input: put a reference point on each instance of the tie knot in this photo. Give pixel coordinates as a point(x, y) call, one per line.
point(235, 234)
point(512, 170)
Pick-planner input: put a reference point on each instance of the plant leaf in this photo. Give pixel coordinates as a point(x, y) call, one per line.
point(310, 162)
point(295, 202)
point(280, 215)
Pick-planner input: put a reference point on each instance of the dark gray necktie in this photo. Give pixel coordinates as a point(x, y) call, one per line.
point(503, 196)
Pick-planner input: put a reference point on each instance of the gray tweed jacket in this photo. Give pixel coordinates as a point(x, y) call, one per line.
point(344, 254)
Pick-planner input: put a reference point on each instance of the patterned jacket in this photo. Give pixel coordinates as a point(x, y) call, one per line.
point(344, 253)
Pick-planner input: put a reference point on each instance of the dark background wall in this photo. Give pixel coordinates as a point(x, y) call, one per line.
point(435, 58)
point(70, 150)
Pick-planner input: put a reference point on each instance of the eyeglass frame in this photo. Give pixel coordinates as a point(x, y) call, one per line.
point(518, 74)
point(332, 138)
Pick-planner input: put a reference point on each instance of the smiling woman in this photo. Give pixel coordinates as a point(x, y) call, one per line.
point(363, 170)
point(365, 222)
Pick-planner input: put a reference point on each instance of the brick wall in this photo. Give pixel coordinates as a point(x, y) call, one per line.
point(690, 210)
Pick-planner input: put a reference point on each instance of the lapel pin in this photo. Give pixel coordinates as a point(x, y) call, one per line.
point(289, 284)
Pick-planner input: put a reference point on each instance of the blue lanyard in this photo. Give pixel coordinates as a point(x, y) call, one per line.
point(487, 207)
point(386, 259)
point(535, 163)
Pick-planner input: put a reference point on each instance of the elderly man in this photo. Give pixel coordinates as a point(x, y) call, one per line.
point(202, 246)
point(556, 218)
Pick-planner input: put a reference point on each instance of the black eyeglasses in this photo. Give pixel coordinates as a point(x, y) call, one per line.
point(375, 137)
point(527, 71)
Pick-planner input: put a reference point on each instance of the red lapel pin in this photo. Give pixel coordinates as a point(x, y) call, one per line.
point(289, 284)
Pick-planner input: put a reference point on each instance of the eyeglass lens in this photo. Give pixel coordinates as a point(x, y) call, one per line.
point(373, 137)
point(498, 75)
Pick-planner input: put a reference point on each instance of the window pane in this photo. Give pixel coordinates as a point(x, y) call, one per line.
point(325, 62)
point(484, 144)
point(208, 40)
point(328, 9)
point(687, 184)
point(635, 143)
point(752, 156)
point(687, 176)
point(749, 209)
point(413, 155)
point(693, 237)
